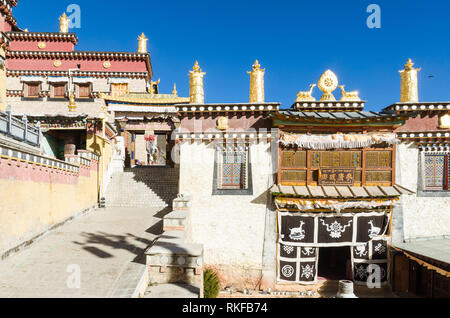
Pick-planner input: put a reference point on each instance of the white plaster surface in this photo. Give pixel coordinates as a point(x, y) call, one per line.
point(418, 217)
point(231, 227)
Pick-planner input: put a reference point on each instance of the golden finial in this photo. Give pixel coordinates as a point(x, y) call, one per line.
point(409, 91)
point(328, 82)
point(72, 104)
point(26, 30)
point(142, 45)
point(257, 83)
point(175, 89)
point(196, 90)
point(64, 23)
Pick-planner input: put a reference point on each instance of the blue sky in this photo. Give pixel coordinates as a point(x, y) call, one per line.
point(296, 41)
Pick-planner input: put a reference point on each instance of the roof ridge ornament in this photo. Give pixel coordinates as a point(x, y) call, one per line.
point(352, 96)
point(409, 83)
point(142, 44)
point(63, 23)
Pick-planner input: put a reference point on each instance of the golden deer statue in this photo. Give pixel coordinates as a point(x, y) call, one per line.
point(306, 96)
point(349, 96)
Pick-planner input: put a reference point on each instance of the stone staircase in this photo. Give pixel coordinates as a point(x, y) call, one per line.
point(143, 187)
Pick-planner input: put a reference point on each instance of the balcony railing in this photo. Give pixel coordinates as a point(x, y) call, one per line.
point(20, 129)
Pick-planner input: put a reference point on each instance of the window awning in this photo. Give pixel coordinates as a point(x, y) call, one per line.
point(61, 79)
point(119, 80)
point(83, 80)
point(31, 79)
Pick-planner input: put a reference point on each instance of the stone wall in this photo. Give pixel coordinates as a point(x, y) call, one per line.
point(231, 227)
point(417, 217)
point(39, 193)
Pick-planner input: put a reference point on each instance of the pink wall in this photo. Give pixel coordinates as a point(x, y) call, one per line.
point(32, 45)
point(46, 64)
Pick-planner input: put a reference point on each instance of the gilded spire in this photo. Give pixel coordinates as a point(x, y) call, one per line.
point(196, 90)
point(175, 89)
point(142, 44)
point(64, 23)
point(409, 83)
point(257, 83)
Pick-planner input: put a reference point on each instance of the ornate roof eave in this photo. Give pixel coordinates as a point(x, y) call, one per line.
point(145, 99)
point(43, 36)
point(80, 54)
point(310, 119)
point(425, 137)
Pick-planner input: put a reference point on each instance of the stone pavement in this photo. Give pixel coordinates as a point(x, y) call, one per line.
point(102, 245)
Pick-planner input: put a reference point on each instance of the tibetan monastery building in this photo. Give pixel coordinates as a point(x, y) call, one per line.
point(55, 85)
point(421, 227)
point(336, 188)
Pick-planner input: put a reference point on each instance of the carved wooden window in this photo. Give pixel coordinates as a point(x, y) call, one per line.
point(119, 89)
point(379, 167)
point(436, 172)
point(336, 159)
point(293, 167)
point(59, 90)
point(84, 90)
point(32, 89)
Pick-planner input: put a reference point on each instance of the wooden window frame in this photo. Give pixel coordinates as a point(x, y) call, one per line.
point(53, 90)
point(27, 87)
point(125, 90)
point(78, 87)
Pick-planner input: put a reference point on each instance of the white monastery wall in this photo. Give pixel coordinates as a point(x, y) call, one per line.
point(231, 227)
point(417, 217)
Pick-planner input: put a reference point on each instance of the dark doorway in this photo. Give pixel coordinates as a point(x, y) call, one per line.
point(334, 262)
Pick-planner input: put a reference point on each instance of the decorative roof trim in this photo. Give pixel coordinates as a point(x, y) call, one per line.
point(43, 36)
point(78, 54)
point(200, 108)
point(142, 75)
point(225, 136)
point(414, 107)
point(424, 135)
point(328, 105)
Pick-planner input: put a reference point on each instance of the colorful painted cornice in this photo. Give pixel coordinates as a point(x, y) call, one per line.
point(12, 73)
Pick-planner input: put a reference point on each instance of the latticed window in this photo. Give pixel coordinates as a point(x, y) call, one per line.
point(435, 172)
point(119, 89)
point(232, 169)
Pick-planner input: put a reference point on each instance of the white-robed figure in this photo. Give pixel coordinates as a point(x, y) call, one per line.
point(152, 150)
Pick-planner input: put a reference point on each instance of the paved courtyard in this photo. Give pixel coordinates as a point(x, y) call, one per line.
point(101, 246)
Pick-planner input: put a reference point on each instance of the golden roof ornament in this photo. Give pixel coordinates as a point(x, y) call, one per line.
point(409, 92)
point(142, 44)
point(64, 23)
point(196, 91)
point(257, 83)
point(72, 104)
point(306, 96)
point(328, 83)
